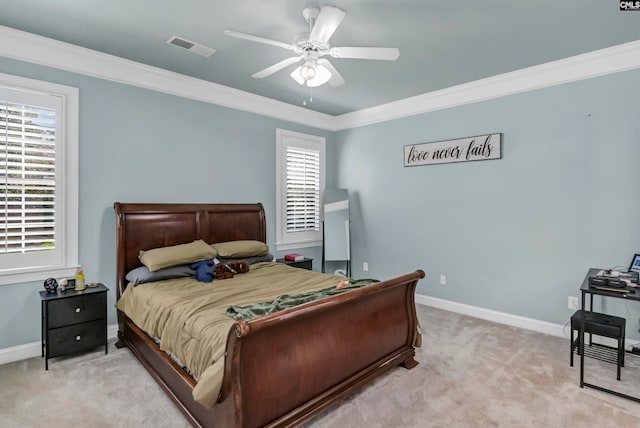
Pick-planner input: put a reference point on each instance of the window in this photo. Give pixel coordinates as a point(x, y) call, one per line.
point(300, 185)
point(38, 179)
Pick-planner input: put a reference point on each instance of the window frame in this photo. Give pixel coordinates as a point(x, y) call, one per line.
point(67, 159)
point(291, 240)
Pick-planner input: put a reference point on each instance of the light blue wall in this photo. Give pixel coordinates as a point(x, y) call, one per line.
point(517, 234)
point(138, 145)
point(513, 235)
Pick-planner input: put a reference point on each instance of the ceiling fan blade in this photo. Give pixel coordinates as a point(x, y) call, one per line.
point(384, 54)
point(277, 67)
point(326, 24)
point(336, 79)
point(258, 39)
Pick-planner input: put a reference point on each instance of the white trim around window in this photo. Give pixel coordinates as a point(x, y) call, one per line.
point(300, 183)
point(65, 101)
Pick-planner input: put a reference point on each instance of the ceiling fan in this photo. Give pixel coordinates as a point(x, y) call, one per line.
point(312, 46)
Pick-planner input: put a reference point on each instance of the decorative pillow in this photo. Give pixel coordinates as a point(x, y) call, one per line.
point(163, 257)
point(240, 249)
point(143, 274)
point(251, 260)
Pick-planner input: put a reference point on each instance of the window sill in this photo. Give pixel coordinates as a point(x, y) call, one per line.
point(39, 274)
point(295, 245)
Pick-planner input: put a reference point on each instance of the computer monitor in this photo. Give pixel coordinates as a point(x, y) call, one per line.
point(635, 263)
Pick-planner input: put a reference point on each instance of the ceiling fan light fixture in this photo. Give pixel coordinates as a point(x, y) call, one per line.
point(295, 75)
point(308, 70)
point(322, 76)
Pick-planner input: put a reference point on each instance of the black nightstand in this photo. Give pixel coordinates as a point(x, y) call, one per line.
point(73, 321)
point(302, 264)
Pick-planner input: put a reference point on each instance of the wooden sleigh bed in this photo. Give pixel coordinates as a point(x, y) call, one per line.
point(366, 332)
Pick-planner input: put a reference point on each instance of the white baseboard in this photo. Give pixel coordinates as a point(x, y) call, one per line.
point(559, 330)
point(495, 316)
point(30, 350)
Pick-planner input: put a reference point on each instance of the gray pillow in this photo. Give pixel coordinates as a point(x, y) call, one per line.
point(143, 274)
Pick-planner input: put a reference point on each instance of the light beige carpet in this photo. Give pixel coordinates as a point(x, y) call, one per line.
point(472, 373)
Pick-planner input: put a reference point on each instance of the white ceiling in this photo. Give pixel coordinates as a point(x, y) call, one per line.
point(443, 43)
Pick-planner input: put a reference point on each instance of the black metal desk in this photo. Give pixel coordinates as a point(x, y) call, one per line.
point(631, 294)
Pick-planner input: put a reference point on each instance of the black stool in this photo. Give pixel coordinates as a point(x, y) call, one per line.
point(600, 325)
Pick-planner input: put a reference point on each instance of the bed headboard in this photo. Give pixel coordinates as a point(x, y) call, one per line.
point(146, 226)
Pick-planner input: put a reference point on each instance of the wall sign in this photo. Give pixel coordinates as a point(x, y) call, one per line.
point(480, 147)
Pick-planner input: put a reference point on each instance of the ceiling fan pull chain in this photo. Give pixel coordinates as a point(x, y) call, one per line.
point(304, 102)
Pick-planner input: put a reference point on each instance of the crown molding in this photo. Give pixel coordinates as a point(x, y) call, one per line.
point(40, 50)
point(592, 64)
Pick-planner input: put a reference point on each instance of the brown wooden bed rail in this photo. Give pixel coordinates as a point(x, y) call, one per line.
point(283, 368)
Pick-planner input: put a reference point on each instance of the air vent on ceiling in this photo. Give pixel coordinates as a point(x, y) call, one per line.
point(194, 47)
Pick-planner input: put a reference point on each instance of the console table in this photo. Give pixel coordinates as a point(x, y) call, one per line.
point(629, 293)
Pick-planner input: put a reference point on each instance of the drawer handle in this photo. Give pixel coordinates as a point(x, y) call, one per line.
point(78, 338)
point(77, 310)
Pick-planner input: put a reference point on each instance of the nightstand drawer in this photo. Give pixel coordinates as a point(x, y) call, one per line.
point(76, 310)
point(77, 337)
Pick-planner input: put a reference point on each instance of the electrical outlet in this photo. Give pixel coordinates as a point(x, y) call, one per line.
point(365, 266)
point(443, 279)
point(573, 302)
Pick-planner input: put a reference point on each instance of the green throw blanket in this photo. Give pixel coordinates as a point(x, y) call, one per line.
point(285, 301)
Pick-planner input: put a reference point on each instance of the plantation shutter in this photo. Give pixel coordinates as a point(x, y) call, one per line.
point(303, 189)
point(27, 177)
point(300, 170)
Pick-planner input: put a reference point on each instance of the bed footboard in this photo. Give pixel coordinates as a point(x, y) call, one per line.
point(316, 354)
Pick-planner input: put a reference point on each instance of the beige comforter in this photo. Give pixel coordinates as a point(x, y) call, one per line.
point(190, 317)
